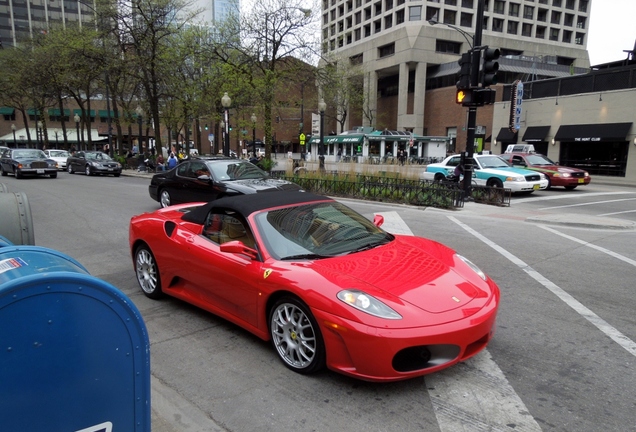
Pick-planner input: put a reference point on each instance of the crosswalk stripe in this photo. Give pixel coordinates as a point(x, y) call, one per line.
point(473, 395)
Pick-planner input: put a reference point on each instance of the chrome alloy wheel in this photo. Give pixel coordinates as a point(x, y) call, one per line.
point(147, 273)
point(164, 198)
point(296, 336)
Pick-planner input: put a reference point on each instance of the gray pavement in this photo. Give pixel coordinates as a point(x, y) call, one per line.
point(173, 413)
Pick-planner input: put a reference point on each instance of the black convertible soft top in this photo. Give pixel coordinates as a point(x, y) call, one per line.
point(250, 203)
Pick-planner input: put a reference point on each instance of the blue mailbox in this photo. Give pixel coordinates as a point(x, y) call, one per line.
point(74, 353)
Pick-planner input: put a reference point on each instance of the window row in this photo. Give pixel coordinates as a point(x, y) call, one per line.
point(499, 7)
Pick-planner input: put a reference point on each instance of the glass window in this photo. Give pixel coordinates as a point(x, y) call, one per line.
point(415, 13)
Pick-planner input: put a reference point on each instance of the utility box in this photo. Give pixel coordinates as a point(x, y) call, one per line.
point(74, 353)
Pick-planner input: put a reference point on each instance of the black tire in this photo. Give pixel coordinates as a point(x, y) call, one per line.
point(147, 272)
point(87, 170)
point(117, 175)
point(164, 198)
point(18, 174)
point(549, 183)
point(3, 172)
point(439, 177)
point(70, 169)
point(296, 336)
point(494, 182)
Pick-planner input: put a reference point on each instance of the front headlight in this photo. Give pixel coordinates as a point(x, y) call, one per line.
point(367, 303)
point(566, 175)
point(472, 266)
point(516, 179)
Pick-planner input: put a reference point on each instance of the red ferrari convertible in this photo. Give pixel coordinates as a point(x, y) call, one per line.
point(327, 286)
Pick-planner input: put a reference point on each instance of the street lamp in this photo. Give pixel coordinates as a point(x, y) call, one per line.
point(322, 106)
point(226, 102)
point(469, 38)
point(13, 130)
point(253, 118)
point(140, 113)
point(77, 120)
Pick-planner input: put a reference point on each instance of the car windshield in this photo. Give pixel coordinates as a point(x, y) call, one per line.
point(539, 160)
point(29, 154)
point(317, 231)
point(58, 153)
point(235, 170)
point(492, 162)
point(98, 156)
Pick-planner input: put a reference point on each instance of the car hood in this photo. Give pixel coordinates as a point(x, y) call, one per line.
point(417, 271)
point(555, 168)
point(248, 186)
point(507, 171)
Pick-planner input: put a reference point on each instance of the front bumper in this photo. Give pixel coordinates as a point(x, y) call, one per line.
point(384, 355)
point(37, 171)
point(570, 181)
point(105, 170)
point(526, 186)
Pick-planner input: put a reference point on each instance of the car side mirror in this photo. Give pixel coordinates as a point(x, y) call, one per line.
point(378, 220)
point(238, 247)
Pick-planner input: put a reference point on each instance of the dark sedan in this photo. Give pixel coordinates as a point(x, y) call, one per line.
point(23, 162)
point(93, 162)
point(206, 179)
point(556, 174)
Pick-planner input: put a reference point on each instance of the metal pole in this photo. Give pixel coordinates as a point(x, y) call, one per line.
point(226, 144)
point(321, 146)
point(139, 119)
point(109, 123)
point(472, 111)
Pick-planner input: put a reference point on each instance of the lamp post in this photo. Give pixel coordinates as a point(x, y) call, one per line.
point(474, 82)
point(222, 146)
point(15, 144)
point(140, 113)
point(226, 102)
point(77, 120)
point(253, 118)
point(322, 106)
point(39, 135)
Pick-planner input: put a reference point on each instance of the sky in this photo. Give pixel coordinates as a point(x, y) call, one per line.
point(611, 30)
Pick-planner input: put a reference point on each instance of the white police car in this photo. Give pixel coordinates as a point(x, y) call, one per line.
point(489, 170)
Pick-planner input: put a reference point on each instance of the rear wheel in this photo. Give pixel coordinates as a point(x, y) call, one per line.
point(3, 172)
point(296, 336)
point(439, 177)
point(164, 198)
point(147, 272)
point(117, 175)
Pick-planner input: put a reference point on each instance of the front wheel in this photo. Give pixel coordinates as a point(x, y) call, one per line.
point(296, 336)
point(147, 272)
point(70, 169)
point(494, 182)
point(87, 170)
point(164, 198)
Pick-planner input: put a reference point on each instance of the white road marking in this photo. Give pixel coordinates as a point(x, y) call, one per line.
point(575, 195)
point(587, 203)
point(586, 313)
point(617, 213)
point(473, 395)
point(590, 245)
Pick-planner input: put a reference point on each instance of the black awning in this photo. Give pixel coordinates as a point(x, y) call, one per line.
point(607, 132)
point(535, 134)
point(506, 136)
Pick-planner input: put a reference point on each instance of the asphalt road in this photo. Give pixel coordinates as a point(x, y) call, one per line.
point(562, 359)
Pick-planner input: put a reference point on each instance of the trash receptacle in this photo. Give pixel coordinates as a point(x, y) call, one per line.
point(75, 352)
point(16, 223)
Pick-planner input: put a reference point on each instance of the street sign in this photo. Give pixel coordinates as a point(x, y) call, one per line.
point(515, 106)
point(302, 139)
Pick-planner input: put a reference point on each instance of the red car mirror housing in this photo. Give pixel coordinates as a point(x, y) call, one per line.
point(378, 220)
point(239, 248)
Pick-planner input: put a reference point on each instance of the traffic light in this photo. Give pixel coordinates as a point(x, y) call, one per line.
point(464, 97)
point(490, 67)
point(206, 126)
point(464, 71)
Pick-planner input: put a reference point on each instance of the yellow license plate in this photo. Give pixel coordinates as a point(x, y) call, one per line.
point(581, 180)
point(536, 187)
